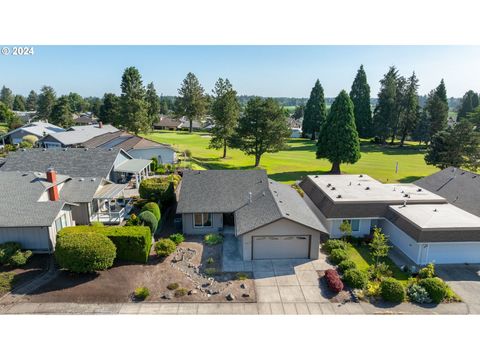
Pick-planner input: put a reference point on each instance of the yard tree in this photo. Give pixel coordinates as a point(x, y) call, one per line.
point(19, 103)
point(457, 146)
point(345, 228)
point(153, 104)
point(315, 111)
point(338, 140)
point(469, 103)
point(379, 245)
point(6, 96)
point(437, 109)
point(8, 116)
point(192, 101)
point(46, 102)
point(262, 128)
point(400, 103)
point(109, 110)
point(225, 112)
point(31, 103)
point(133, 107)
point(360, 95)
point(410, 114)
point(420, 133)
point(165, 105)
point(474, 118)
point(61, 114)
point(76, 103)
point(299, 112)
point(385, 113)
point(93, 104)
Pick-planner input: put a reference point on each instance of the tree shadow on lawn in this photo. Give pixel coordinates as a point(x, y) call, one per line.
point(295, 175)
point(368, 147)
point(409, 179)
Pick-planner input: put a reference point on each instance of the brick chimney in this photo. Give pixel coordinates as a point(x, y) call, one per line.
point(100, 124)
point(53, 191)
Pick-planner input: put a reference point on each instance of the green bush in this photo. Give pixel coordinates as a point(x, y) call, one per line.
point(32, 139)
point(133, 243)
point(177, 238)
point(133, 221)
point(338, 255)
point(379, 272)
point(210, 261)
point(418, 294)
point(392, 290)
point(436, 288)
point(241, 276)
point(357, 279)
point(25, 145)
point(148, 219)
point(165, 247)
point(427, 272)
point(141, 293)
point(6, 282)
point(173, 286)
point(11, 254)
point(332, 244)
point(181, 292)
point(97, 224)
point(213, 239)
point(347, 265)
point(20, 258)
point(210, 271)
point(153, 208)
point(84, 253)
point(159, 189)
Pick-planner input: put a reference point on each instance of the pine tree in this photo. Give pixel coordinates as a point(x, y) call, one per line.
point(192, 101)
point(19, 103)
point(6, 97)
point(110, 109)
point(315, 111)
point(386, 112)
point(31, 103)
point(469, 102)
point(153, 104)
point(360, 95)
point(338, 141)
point(299, 112)
point(225, 112)
point(420, 133)
point(61, 114)
point(437, 110)
point(46, 102)
point(133, 107)
point(411, 109)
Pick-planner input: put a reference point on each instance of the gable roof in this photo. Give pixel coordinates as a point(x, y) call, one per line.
point(121, 140)
point(38, 128)
point(460, 187)
point(80, 134)
point(167, 121)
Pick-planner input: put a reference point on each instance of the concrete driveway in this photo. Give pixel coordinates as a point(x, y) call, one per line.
point(465, 281)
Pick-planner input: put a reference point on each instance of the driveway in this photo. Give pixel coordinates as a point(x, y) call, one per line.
point(465, 281)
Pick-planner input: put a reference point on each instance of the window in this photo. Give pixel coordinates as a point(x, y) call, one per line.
point(61, 222)
point(202, 220)
point(355, 224)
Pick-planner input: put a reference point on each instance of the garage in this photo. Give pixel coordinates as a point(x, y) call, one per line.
point(281, 247)
point(453, 253)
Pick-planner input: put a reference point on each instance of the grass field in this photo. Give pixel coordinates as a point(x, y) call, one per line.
point(299, 159)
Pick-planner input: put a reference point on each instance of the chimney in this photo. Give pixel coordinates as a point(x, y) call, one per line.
point(100, 124)
point(53, 191)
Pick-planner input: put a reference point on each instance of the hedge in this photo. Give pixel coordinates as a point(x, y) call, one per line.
point(357, 279)
point(159, 189)
point(165, 247)
point(133, 242)
point(338, 255)
point(332, 244)
point(149, 219)
point(153, 208)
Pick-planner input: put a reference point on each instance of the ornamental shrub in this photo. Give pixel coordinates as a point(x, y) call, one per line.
point(331, 244)
point(173, 286)
point(379, 272)
point(165, 247)
point(85, 253)
point(373, 289)
point(11, 254)
point(213, 239)
point(392, 290)
point(427, 272)
point(148, 219)
point(436, 288)
point(347, 265)
point(418, 294)
point(177, 238)
point(333, 280)
point(338, 255)
point(20, 258)
point(357, 279)
point(32, 139)
point(159, 189)
point(141, 293)
point(153, 208)
point(181, 292)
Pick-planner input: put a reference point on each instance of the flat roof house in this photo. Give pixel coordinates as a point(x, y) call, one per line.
point(420, 223)
point(75, 135)
point(269, 220)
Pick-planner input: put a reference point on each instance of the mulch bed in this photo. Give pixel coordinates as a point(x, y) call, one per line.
point(35, 266)
point(343, 296)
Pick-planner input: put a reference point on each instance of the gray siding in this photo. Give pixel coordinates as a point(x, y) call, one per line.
point(189, 229)
point(164, 155)
point(81, 214)
point(33, 238)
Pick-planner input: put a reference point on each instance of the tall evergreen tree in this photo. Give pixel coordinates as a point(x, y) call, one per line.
point(6, 96)
point(19, 103)
point(192, 101)
point(110, 109)
point(133, 107)
point(61, 114)
point(410, 114)
point(421, 131)
point(315, 111)
point(399, 107)
point(437, 109)
point(385, 113)
point(338, 141)
point(153, 104)
point(225, 112)
point(46, 102)
point(360, 95)
point(469, 102)
point(31, 103)
point(262, 128)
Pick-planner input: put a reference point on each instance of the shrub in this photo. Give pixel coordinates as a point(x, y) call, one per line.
point(6, 282)
point(210, 260)
point(241, 276)
point(333, 280)
point(148, 219)
point(154, 164)
point(427, 272)
point(213, 239)
point(165, 247)
point(141, 293)
point(97, 224)
point(173, 286)
point(357, 279)
point(373, 289)
point(418, 294)
point(133, 221)
point(188, 153)
point(392, 290)
point(133, 242)
point(177, 238)
point(347, 265)
point(338, 255)
point(210, 271)
point(25, 145)
point(159, 189)
point(379, 272)
point(181, 292)
point(436, 288)
point(11, 254)
point(32, 139)
point(153, 208)
point(332, 244)
point(84, 253)
point(20, 258)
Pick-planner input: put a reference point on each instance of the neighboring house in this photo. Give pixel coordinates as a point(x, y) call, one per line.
point(167, 123)
point(25, 116)
point(37, 128)
point(32, 209)
point(296, 133)
point(75, 136)
point(85, 119)
point(136, 146)
point(421, 224)
point(270, 220)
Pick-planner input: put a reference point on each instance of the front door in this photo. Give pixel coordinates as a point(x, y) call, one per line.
point(228, 219)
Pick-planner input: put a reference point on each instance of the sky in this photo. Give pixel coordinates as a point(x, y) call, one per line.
point(274, 71)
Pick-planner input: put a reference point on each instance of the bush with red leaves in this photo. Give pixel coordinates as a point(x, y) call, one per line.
point(333, 280)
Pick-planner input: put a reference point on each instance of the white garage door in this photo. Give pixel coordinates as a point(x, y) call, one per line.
point(281, 247)
point(451, 253)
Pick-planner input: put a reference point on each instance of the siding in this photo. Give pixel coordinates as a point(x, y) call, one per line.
point(401, 240)
point(81, 214)
point(189, 229)
point(162, 154)
point(32, 238)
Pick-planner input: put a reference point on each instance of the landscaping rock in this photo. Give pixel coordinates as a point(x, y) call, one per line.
point(230, 297)
point(243, 286)
point(166, 296)
point(245, 295)
point(192, 292)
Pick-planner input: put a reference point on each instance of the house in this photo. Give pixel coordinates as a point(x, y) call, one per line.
point(25, 116)
point(37, 128)
point(32, 209)
point(296, 133)
point(136, 146)
point(269, 220)
point(418, 222)
point(75, 136)
point(167, 123)
point(85, 119)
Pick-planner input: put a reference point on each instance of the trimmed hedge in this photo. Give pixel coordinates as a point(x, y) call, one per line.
point(153, 208)
point(333, 280)
point(347, 265)
point(85, 253)
point(165, 247)
point(338, 255)
point(332, 244)
point(436, 288)
point(133, 242)
point(357, 279)
point(159, 189)
point(392, 290)
point(149, 219)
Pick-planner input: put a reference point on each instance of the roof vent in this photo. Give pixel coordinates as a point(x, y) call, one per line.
point(419, 190)
point(360, 175)
point(339, 196)
point(86, 149)
point(287, 214)
point(24, 149)
point(404, 203)
point(92, 179)
point(110, 149)
point(333, 187)
point(316, 176)
point(64, 149)
point(350, 183)
point(44, 149)
point(435, 210)
point(328, 185)
point(406, 195)
point(81, 179)
point(367, 188)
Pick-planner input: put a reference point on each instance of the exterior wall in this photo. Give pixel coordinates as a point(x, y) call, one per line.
point(363, 229)
point(282, 227)
point(189, 229)
point(81, 214)
point(164, 155)
point(50, 142)
point(451, 253)
point(401, 240)
point(17, 136)
point(53, 231)
point(32, 238)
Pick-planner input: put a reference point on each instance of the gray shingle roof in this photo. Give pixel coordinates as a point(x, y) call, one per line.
point(81, 134)
point(80, 189)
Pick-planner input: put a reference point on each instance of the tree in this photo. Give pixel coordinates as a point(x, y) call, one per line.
point(437, 110)
point(133, 109)
point(19, 103)
point(8, 116)
point(61, 114)
point(360, 95)
point(109, 110)
point(31, 103)
point(379, 245)
point(93, 104)
point(457, 146)
point(299, 112)
point(345, 228)
point(262, 128)
point(338, 140)
point(385, 114)
point(192, 101)
point(411, 109)
point(225, 112)
point(153, 104)
point(469, 102)
point(6, 96)
point(315, 111)
point(420, 133)
point(474, 118)
point(399, 107)
point(46, 102)
point(76, 103)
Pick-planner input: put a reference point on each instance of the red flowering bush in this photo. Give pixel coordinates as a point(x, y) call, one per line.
point(333, 280)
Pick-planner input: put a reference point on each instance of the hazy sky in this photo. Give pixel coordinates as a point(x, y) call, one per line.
point(253, 70)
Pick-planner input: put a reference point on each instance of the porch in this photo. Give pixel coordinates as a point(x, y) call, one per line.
point(110, 205)
point(133, 170)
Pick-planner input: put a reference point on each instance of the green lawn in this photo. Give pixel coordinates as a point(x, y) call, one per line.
point(299, 159)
